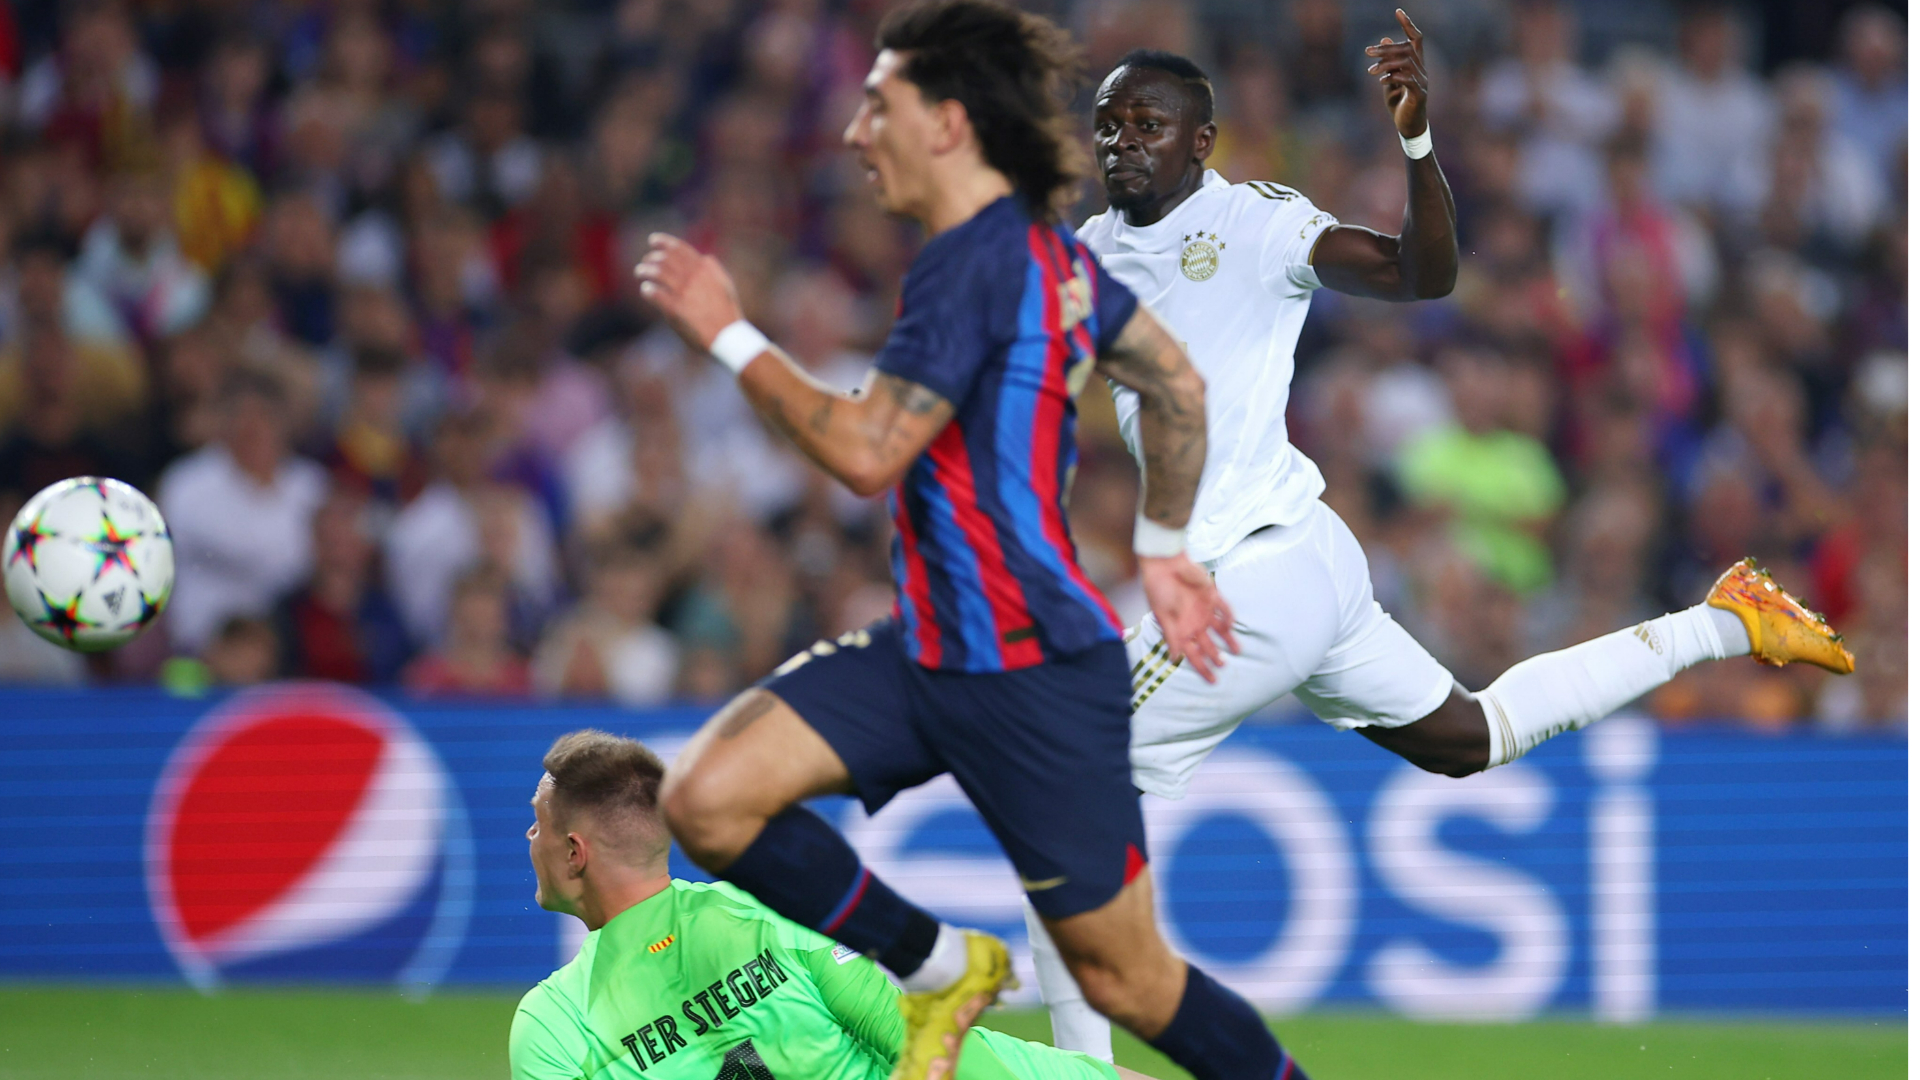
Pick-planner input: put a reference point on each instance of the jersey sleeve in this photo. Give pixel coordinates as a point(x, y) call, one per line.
point(942, 337)
point(1286, 244)
point(858, 995)
point(993, 1055)
point(544, 1047)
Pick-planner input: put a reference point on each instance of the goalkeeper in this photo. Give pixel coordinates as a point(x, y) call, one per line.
point(685, 981)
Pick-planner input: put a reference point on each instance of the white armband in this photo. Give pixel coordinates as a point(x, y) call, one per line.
point(1420, 145)
point(1153, 540)
point(738, 344)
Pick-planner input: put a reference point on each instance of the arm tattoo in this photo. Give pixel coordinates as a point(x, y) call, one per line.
point(1173, 417)
point(742, 715)
point(910, 396)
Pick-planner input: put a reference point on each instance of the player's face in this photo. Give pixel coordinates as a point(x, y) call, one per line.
point(1141, 136)
point(893, 133)
point(555, 888)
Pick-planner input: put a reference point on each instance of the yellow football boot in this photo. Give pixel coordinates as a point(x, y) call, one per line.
point(1781, 628)
point(938, 1020)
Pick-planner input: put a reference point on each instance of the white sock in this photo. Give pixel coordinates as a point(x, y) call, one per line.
point(944, 965)
point(1545, 695)
point(1076, 1026)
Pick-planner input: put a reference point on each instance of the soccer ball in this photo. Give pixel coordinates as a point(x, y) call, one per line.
point(89, 563)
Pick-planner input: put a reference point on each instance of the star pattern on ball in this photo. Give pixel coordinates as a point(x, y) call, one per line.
point(149, 610)
point(64, 621)
point(111, 547)
point(27, 540)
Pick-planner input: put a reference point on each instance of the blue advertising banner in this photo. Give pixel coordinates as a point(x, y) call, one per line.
point(318, 833)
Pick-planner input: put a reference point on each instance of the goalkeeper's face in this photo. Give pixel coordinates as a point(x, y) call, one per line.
point(557, 856)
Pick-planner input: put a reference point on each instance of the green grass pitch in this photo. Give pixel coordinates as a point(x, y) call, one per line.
point(169, 1034)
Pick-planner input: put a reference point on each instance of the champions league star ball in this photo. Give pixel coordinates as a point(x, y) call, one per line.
point(89, 563)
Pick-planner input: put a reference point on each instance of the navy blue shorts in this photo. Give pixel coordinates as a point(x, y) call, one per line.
point(1041, 751)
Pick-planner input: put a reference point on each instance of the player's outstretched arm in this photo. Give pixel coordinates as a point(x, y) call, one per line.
point(1146, 359)
point(866, 439)
point(1422, 262)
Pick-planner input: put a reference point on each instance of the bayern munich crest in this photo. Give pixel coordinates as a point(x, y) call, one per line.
point(1200, 256)
point(306, 831)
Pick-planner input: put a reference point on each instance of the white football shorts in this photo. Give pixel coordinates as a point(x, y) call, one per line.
point(1308, 624)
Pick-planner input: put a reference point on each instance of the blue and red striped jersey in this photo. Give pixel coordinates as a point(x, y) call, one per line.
point(1002, 316)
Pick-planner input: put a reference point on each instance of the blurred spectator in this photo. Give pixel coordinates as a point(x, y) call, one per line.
point(489, 160)
point(41, 290)
point(1870, 86)
point(64, 409)
point(240, 510)
point(630, 461)
point(1560, 111)
point(477, 656)
point(235, 112)
point(1256, 140)
point(130, 257)
point(340, 624)
point(299, 249)
point(609, 646)
point(818, 324)
point(745, 608)
point(1632, 254)
point(1604, 587)
point(371, 449)
point(1497, 489)
point(246, 320)
point(95, 87)
point(1712, 116)
point(244, 652)
point(1321, 70)
point(463, 519)
point(1823, 191)
point(215, 203)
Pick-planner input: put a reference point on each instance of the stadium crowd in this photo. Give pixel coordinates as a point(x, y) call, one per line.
point(345, 285)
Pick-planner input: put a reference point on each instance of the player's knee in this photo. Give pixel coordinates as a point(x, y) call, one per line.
point(1124, 992)
point(696, 808)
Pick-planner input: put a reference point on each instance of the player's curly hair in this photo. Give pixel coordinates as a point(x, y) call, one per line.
point(1013, 72)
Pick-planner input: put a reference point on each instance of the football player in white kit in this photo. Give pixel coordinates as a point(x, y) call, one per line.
point(1231, 268)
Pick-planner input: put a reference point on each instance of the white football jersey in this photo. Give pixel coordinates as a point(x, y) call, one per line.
point(1228, 272)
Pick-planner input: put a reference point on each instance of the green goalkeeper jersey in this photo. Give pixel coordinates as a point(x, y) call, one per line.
point(703, 982)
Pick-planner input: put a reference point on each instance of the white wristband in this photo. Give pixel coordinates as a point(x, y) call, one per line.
point(738, 344)
point(1155, 541)
point(1420, 145)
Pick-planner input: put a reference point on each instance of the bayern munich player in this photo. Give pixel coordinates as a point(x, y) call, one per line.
point(1003, 665)
point(1231, 268)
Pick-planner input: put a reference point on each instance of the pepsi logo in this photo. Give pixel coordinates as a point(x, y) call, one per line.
point(306, 831)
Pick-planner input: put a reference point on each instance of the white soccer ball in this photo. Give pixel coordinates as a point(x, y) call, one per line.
point(89, 563)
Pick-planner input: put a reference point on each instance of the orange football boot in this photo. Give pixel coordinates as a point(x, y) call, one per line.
point(1780, 628)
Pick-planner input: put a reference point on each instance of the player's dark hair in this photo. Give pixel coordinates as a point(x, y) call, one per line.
point(1013, 73)
point(1192, 79)
point(606, 774)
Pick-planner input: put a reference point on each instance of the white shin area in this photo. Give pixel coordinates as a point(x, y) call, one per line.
point(1554, 692)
